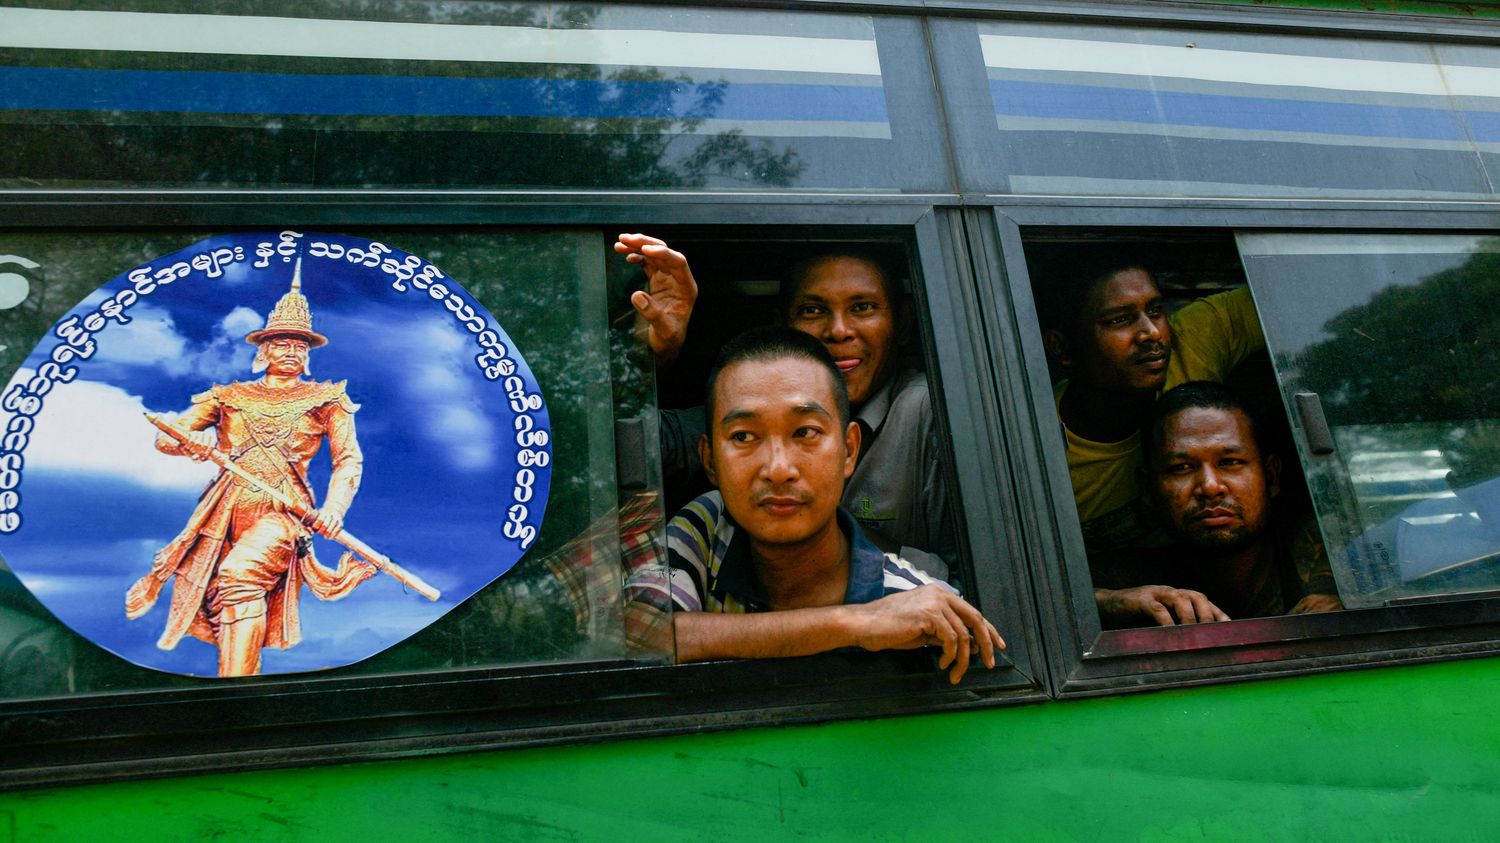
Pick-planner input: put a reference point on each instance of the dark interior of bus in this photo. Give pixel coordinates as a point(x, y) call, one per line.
point(740, 277)
point(1186, 266)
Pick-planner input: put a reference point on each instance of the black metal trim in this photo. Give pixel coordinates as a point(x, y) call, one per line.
point(958, 346)
point(371, 208)
point(143, 735)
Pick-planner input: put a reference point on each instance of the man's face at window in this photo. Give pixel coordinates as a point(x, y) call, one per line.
point(286, 356)
point(776, 448)
point(844, 302)
point(1211, 485)
point(1122, 341)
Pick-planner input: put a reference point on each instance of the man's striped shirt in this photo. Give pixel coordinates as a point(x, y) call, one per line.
point(711, 569)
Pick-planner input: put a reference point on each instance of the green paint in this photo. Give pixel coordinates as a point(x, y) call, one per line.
point(1409, 753)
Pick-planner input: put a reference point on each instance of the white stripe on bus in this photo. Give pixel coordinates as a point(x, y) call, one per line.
point(322, 38)
point(1275, 245)
point(1079, 56)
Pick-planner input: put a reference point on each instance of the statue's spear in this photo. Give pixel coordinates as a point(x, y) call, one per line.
point(302, 511)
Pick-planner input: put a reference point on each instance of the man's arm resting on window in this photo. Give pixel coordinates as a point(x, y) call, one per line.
point(929, 615)
point(1164, 605)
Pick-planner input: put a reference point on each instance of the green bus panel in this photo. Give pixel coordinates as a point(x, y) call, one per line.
point(1407, 753)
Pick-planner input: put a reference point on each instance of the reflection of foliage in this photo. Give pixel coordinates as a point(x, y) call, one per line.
point(1472, 453)
point(636, 152)
point(1427, 351)
point(603, 126)
point(730, 154)
point(40, 657)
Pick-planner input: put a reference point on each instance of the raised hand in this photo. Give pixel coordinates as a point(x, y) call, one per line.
point(666, 304)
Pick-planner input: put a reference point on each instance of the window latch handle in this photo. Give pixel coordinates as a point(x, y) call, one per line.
point(1314, 423)
point(630, 454)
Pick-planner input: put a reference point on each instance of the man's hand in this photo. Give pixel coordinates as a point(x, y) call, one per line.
point(1166, 605)
point(327, 524)
point(928, 615)
point(1317, 603)
point(667, 302)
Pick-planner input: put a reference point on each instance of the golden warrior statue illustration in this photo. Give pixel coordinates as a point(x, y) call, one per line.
point(246, 551)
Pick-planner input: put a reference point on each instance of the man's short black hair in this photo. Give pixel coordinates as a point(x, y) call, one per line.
point(1064, 275)
point(1208, 395)
point(797, 275)
point(777, 342)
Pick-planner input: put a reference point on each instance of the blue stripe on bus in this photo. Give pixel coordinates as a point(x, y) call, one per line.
point(1085, 102)
point(73, 89)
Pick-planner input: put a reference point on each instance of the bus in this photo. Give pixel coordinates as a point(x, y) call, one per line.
point(437, 186)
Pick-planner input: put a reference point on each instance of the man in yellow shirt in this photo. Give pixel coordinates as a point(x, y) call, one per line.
point(1109, 332)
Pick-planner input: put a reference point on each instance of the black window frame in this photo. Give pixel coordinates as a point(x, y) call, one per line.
point(1086, 660)
point(311, 719)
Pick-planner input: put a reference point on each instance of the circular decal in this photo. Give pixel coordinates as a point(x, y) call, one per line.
point(268, 453)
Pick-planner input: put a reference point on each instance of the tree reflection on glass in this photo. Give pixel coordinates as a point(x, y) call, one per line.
point(1407, 382)
point(1423, 351)
point(559, 125)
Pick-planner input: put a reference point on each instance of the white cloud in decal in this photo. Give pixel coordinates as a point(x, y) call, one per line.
point(87, 427)
point(228, 357)
point(240, 321)
point(149, 338)
point(152, 338)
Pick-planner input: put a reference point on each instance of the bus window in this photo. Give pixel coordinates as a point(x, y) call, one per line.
point(1191, 506)
point(743, 285)
point(898, 494)
point(553, 645)
point(432, 490)
point(1385, 347)
point(717, 99)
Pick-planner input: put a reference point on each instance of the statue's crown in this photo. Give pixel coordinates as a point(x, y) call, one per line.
point(291, 316)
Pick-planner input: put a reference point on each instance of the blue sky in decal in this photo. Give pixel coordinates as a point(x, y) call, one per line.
point(98, 501)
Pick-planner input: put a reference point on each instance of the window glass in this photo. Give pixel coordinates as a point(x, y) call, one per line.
point(1176, 446)
point(1386, 348)
point(855, 297)
point(335, 93)
point(561, 602)
point(742, 285)
point(1072, 109)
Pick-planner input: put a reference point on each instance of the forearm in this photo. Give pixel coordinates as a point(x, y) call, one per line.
point(766, 635)
point(341, 490)
point(348, 464)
